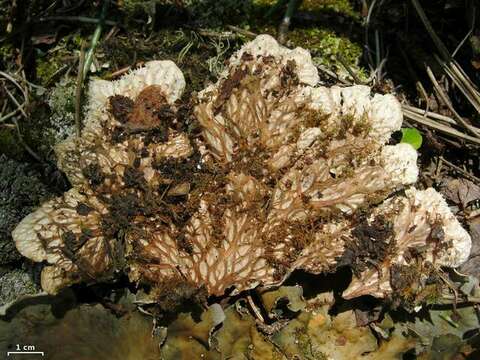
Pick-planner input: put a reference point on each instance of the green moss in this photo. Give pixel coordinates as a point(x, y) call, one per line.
point(46, 68)
point(9, 144)
point(327, 47)
point(49, 64)
point(199, 58)
point(338, 6)
point(135, 8)
point(7, 53)
point(316, 6)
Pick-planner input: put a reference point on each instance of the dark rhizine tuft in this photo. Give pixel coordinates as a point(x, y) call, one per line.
point(120, 107)
point(94, 174)
point(83, 209)
point(371, 244)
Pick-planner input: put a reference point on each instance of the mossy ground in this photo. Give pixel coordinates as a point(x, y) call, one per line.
point(195, 36)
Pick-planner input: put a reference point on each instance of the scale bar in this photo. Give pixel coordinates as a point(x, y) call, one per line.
point(25, 353)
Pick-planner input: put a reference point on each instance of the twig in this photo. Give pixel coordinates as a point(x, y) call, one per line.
point(447, 102)
point(377, 49)
point(462, 81)
point(242, 31)
point(440, 127)
point(255, 309)
point(334, 76)
point(438, 168)
point(368, 52)
point(472, 11)
point(9, 115)
point(430, 114)
point(55, 74)
point(119, 72)
point(78, 91)
point(95, 38)
point(17, 104)
point(9, 77)
point(460, 170)
point(469, 299)
point(356, 79)
point(462, 42)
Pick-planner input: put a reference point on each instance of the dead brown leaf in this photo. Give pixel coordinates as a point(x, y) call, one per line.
point(461, 191)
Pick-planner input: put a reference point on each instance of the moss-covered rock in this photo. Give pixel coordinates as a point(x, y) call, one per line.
point(20, 192)
point(52, 118)
point(15, 284)
point(9, 144)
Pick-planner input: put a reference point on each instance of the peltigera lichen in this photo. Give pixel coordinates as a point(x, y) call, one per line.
point(282, 174)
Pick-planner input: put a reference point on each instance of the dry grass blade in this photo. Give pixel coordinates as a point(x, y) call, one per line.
point(350, 71)
point(78, 91)
point(450, 66)
point(430, 114)
point(333, 75)
point(17, 104)
point(462, 171)
point(428, 26)
point(448, 103)
point(15, 82)
point(242, 31)
point(445, 129)
point(463, 82)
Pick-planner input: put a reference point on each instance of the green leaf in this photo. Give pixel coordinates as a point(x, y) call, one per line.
point(412, 136)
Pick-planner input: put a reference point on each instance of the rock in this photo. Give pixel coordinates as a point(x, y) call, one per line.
point(21, 191)
point(15, 284)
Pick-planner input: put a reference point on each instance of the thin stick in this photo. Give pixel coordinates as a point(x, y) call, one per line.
point(462, 42)
point(440, 127)
point(119, 72)
point(367, 25)
point(334, 76)
point(430, 114)
point(78, 92)
point(241, 31)
point(17, 104)
point(356, 79)
point(255, 310)
point(9, 77)
point(460, 170)
point(9, 115)
point(462, 81)
point(447, 102)
point(285, 24)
